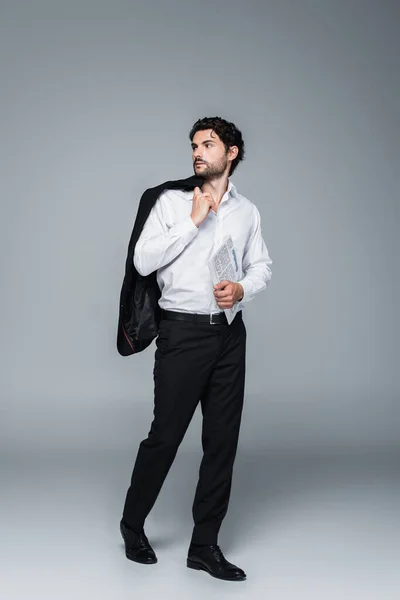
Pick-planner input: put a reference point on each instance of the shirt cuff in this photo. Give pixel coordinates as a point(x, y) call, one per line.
point(246, 285)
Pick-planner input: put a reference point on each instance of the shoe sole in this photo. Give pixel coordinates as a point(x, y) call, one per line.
point(200, 567)
point(141, 562)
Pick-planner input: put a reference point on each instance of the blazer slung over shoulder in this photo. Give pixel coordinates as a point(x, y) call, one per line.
point(139, 312)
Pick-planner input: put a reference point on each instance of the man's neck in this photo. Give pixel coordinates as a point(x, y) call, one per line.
point(217, 188)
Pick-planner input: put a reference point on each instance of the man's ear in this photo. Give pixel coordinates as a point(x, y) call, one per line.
point(233, 152)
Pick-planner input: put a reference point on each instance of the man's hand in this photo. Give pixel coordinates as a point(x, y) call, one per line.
point(202, 204)
point(227, 293)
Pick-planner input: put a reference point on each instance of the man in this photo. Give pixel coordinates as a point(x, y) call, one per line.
point(199, 356)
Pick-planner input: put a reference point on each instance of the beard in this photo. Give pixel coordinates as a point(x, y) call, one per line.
point(213, 170)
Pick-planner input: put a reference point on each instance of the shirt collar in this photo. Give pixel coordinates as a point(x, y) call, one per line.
point(232, 191)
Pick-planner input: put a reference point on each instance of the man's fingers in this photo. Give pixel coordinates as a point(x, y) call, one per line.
point(223, 293)
point(206, 195)
point(221, 284)
point(224, 305)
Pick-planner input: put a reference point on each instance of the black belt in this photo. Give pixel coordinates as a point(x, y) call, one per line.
point(213, 319)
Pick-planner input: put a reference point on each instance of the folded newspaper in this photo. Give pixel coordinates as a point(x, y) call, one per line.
point(223, 265)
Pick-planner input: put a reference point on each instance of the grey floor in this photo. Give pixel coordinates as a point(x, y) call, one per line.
point(315, 526)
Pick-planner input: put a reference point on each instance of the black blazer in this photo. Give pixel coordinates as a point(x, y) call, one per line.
point(139, 312)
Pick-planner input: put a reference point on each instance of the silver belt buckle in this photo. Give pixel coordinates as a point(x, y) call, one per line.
point(211, 321)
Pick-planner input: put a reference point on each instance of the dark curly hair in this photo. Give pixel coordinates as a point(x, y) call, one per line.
point(228, 133)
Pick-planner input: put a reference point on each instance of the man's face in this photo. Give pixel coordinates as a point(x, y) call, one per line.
point(210, 158)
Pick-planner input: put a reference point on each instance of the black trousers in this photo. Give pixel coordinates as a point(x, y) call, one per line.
point(193, 362)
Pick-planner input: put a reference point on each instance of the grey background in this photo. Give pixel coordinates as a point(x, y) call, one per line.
point(97, 99)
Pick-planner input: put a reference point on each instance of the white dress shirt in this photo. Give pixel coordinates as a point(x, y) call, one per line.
point(171, 244)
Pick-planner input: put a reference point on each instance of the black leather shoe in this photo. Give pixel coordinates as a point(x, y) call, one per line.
point(137, 546)
point(210, 558)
